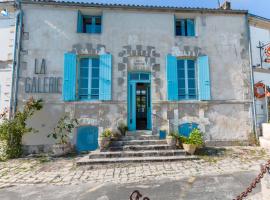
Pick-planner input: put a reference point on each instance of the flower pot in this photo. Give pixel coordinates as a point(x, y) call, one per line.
point(104, 142)
point(171, 141)
point(162, 134)
point(61, 149)
point(190, 148)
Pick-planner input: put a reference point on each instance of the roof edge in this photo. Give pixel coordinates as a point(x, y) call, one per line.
point(127, 6)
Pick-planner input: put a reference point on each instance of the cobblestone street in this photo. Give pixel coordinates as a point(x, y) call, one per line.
point(63, 171)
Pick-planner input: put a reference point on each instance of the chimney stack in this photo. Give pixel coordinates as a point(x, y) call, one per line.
point(226, 5)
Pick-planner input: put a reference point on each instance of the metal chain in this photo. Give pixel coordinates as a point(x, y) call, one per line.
point(136, 195)
point(264, 168)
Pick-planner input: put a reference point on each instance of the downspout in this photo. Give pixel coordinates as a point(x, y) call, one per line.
point(254, 121)
point(16, 63)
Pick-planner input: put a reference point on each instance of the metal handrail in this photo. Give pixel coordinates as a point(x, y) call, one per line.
point(173, 124)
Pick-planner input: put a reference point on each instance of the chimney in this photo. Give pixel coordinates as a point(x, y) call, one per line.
point(226, 5)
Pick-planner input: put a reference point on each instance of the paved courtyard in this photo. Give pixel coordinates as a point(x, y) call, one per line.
point(63, 171)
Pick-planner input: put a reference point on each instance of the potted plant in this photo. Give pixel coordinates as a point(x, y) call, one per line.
point(194, 141)
point(116, 135)
point(61, 134)
point(171, 139)
point(122, 127)
point(104, 139)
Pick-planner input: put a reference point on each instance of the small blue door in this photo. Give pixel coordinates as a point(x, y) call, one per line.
point(185, 129)
point(87, 138)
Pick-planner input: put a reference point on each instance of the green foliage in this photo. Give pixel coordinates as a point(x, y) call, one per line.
point(122, 127)
point(12, 130)
point(106, 134)
point(63, 129)
point(195, 137)
point(173, 134)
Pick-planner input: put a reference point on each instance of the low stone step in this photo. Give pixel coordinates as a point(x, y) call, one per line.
point(141, 147)
point(86, 161)
point(140, 137)
point(151, 153)
point(138, 142)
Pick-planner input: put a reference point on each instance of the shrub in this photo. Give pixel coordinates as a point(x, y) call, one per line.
point(195, 137)
point(106, 134)
point(12, 130)
point(63, 129)
point(122, 127)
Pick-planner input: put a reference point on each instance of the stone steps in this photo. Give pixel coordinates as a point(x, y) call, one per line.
point(137, 142)
point(140, 137)
point(140, 147)
point(136, 147)
point(86, 161)
point(122, 154)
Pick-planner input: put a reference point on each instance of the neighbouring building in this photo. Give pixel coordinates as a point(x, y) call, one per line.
point(260, 43)
point(7, 38)
point(151, 67)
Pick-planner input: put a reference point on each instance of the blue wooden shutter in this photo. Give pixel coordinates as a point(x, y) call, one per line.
point(204, 78)
point(171, 67)
point(190, 27)
point(80, 22)
point(69, 84)
point(105, 77)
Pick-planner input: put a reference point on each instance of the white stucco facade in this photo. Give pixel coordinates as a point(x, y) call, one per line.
point(7, 38)
point(260, 33)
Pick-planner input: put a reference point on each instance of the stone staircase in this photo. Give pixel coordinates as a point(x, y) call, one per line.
point(136, 147)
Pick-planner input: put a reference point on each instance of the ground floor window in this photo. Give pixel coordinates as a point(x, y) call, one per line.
point(186, 76)
point(89, 78)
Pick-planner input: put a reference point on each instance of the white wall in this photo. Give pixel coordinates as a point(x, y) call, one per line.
point(7, 36)
point(258, 34)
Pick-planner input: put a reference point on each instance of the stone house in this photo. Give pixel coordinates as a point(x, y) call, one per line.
point(152, 67)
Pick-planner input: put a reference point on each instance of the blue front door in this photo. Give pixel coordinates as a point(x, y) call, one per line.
point(139, 102)
point(87, 138)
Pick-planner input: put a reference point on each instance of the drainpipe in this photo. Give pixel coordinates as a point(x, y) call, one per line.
point(16, 62)
point(254, 121)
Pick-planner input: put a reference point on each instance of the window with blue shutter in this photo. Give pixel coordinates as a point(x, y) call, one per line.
point(186, 80)
point(88, 24)
point(171, 69)
point(204, 78)
point(69, 84)
point(184, 27)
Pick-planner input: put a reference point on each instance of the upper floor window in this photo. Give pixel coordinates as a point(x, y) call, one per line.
point(184, 27)
point(88, 24)
point(89, 78)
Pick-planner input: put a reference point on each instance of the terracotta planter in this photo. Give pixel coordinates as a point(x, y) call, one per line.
point(61, 149)
point(171, 141)
point(104, 142)
point(190, 148)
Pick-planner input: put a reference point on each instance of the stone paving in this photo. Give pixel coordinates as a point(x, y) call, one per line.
point(63, 171)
